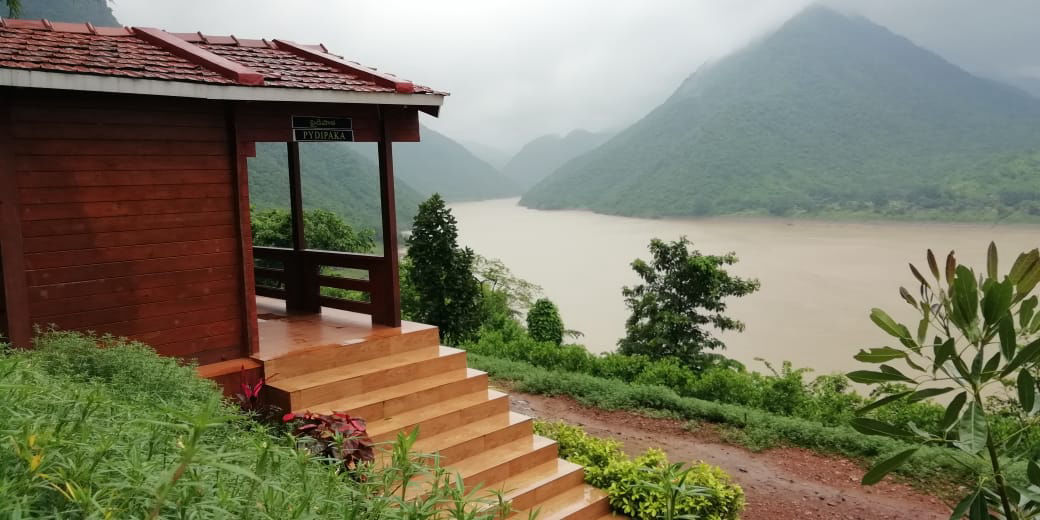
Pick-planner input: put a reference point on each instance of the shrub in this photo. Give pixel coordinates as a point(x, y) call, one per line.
point(119, 432)
point(761, 429)
point(544, 323)
point(636, 487)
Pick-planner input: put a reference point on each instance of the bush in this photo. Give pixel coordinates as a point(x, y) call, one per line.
point(759, 429)
point(630, 483)
point(119, 432)
point(544, 323)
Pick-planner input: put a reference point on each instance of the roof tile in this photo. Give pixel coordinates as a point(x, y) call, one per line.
point(119, 52)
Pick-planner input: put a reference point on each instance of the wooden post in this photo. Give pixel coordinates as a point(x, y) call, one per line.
point(240, 178)
point(15, 286)
point(388, 312)
point(301, 276)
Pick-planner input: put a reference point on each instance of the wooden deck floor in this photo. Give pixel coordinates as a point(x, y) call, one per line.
point(284, 334)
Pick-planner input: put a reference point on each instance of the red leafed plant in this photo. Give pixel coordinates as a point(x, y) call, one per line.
point(249, 397)
point(336, 436)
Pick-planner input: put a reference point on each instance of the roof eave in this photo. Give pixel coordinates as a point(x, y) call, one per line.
point(185, 89)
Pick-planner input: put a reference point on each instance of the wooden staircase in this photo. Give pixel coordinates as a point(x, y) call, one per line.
point(399, 381)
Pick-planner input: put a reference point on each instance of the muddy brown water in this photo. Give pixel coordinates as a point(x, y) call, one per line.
point(819, 279)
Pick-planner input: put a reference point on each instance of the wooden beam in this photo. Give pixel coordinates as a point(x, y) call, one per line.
point(245, 231)
point(301, 275)
point(389, 312)
point(299, 241)
point(16, 293)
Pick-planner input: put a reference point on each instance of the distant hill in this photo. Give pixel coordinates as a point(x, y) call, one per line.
point(829, 115)
point(489, 154)
point(542, 156)
point(335, 176)
point(439, 164)
point(96, 12)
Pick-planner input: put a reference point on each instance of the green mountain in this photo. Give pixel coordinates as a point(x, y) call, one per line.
point(542, 156)
point(96, 12)
point(335, 176)
point(439, 164)
point(828, 115)
point(497, 158)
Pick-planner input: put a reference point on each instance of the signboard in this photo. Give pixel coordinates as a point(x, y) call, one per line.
point(314, 128)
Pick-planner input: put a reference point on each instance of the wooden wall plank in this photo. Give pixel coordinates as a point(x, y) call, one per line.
point(75, 226)
point(97, 319)
point(123, 208)
point(128, 283)
point(58, 147)
point(17, 318)
point(56, 307)
point(97, 256)
point(121, 178)
point(126, 238)
point(63, 195)
point(85, 131)
point(72, 163)
point(118, 269)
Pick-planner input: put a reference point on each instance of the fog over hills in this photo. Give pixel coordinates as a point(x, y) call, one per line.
point(542, 156)
point(830, 114)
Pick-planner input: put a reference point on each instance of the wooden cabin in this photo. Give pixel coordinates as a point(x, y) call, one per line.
point(124, 203)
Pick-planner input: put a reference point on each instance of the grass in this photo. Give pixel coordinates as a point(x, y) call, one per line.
point(756, 429)
point(119, 432)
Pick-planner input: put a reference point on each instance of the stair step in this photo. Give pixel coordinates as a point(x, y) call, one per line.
point(502, 462)
point(382, 342)
point(582, 502)
point(303, 391)
point(540, 483)
point(476, 437)
point(396, 399)
point(440, 417)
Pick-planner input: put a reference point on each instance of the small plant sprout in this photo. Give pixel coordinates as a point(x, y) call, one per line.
point(978, 334)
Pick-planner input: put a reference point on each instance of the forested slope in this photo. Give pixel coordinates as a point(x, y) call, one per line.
point(829, 115)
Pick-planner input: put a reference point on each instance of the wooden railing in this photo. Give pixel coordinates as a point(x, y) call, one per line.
point(298, 277)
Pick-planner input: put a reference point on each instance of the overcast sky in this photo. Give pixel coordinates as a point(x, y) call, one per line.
point(517, 70)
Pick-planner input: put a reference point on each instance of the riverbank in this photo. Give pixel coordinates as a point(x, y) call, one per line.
point(819, 278)
point(785, 483)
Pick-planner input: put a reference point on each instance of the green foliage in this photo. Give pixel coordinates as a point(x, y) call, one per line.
point(643, 487)
point(828, 399)
point(986, 339)
point(119, 432)
point(335, 177)
point(322, 229)
point(544, 323)
point(681, 295)
point(825, 117)
point(757, 428)
point(443, 290)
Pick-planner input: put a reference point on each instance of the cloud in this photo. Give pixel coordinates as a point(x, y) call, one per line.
point(518, 70)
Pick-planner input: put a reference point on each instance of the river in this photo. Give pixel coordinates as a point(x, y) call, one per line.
point(819, 279)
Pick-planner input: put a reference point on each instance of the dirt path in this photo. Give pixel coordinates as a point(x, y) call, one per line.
point(780, 484)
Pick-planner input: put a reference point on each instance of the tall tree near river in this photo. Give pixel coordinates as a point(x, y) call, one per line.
point(681, 298)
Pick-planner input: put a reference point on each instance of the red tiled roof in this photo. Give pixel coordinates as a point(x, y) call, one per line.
point(39, 45)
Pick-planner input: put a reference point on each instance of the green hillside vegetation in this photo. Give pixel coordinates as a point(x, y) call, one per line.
point(438, 164)
point(96, 12)
point(542, 156)
point(828, 116)
point(335, 176)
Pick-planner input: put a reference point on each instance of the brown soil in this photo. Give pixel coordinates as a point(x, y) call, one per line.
point(780, 484)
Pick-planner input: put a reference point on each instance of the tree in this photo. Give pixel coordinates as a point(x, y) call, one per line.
point(544, 322)
point(978, 333)
point(14, 8)
point(442, 288)
point(682, 294)
point(323, 229)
